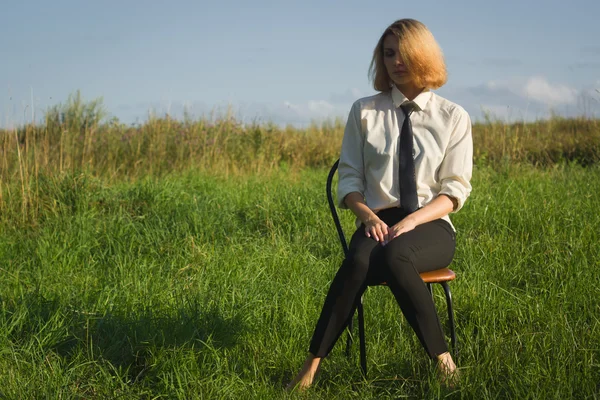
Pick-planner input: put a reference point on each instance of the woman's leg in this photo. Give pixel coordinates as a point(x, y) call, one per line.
point(348, 285)
point(428, 247)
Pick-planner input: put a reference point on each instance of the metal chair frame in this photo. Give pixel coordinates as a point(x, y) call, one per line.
point(359, 307)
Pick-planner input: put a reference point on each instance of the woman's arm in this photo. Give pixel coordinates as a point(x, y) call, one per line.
point(351, 166)
point(457, 166)
point(439, 207)
point(351, 177)
point(374, 226)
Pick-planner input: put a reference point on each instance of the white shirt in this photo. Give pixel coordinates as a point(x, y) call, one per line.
point(442, 143)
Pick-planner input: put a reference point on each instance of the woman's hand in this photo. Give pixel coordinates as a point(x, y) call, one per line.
point(441, 206)
point(376, 228)
point(406, 225)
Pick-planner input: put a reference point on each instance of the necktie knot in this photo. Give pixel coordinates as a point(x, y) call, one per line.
point(408, 108)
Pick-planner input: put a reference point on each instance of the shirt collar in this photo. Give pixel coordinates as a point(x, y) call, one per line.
point(421, 100)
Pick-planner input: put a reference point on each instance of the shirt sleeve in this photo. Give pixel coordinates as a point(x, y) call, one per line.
point(457, 166)
point(351, 166)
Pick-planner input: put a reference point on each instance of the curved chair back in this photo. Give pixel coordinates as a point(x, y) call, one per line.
point(333, 210)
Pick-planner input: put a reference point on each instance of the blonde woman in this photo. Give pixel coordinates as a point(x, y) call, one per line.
point(405, 165)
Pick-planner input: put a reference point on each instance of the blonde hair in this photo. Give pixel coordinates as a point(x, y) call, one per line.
point(420, 53)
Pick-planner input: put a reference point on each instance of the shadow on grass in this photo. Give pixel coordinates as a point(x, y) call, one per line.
point(127, 341)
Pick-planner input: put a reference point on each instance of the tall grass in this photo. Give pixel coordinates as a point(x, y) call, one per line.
point(540, 143)
point(194, 286)
point(189, 259)
point(75, 136)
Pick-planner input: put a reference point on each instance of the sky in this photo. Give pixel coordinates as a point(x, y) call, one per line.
point(290, 62)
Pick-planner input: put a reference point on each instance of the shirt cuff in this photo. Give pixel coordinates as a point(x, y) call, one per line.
point(344, 190)
point(458, 189)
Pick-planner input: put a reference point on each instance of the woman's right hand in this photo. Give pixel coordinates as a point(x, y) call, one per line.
point(376, 228)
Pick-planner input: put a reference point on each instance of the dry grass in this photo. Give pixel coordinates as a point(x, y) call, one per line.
point(541, 143)
point(76, 138)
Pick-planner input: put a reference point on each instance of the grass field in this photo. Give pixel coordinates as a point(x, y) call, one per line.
point(197, 285)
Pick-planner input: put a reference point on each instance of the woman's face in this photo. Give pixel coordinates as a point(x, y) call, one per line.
point(393, 62)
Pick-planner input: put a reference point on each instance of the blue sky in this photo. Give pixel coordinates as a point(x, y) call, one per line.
point(290, 62)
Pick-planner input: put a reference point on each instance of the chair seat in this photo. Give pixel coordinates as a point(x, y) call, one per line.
point(437, 276)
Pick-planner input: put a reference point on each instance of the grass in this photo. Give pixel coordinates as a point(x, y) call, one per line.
point(76, 136)
point(207, 285)
point(190, 259)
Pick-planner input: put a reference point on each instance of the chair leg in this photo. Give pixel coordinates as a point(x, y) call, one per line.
point(361, 335)
point(450, 316)
point(349, 340)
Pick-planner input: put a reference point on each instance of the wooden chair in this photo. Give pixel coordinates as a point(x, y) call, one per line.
point(441, 276)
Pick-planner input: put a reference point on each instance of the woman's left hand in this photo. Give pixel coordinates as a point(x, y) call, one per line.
point(406, 225)
point(440, 206)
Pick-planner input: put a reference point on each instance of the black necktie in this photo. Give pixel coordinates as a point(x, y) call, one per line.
point(408, 186)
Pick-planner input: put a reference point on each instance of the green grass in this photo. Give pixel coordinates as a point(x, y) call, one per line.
point(194, 285)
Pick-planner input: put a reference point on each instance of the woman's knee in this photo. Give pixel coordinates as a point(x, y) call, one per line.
point(398, 252)
point(357, 265)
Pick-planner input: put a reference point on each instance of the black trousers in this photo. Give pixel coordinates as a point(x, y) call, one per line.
point(428, 247)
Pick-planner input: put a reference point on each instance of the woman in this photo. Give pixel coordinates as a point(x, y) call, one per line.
point(405, 164)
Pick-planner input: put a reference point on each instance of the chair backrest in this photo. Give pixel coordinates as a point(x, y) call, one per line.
point(333, 210)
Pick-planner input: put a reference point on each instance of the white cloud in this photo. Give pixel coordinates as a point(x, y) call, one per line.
point(505, 113)
point(291, 106)
point(526, 98)
point(320, 107)
point(535, 88)
point(515, 99)
point(539, 89)
point(497, 112)
point(325, 107)
point(298, 114)
point(356, 93)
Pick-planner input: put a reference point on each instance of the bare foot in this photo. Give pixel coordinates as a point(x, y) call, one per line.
point(447, 370)
point(307, 374)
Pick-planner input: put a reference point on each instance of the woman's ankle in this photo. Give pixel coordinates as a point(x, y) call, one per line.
point(446, 363)
point(312, 362)
point(447, 370)
point(307, 374)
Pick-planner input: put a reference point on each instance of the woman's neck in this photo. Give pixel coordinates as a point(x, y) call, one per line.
point(410, 90)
